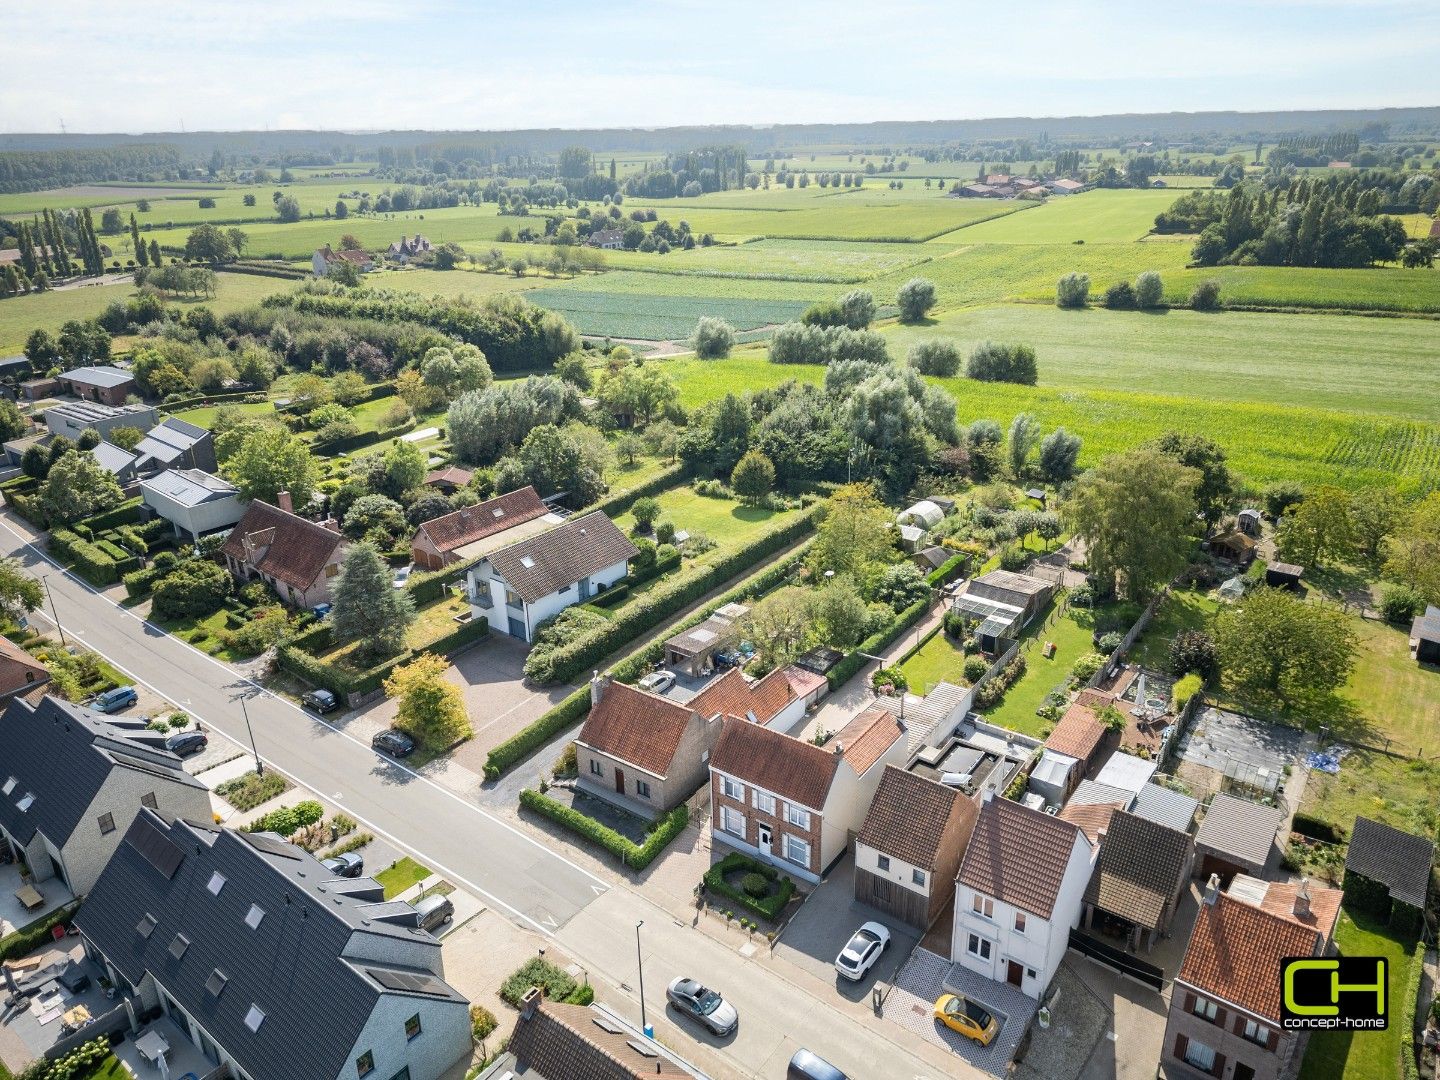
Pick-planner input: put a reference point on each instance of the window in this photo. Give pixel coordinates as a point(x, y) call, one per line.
point(595, 768)
point(332, 569)
point(255, 1017)
point(883, 862)
point(403, 1074)
point(146, 926)
point(217, 882)
point(513, 599)
point(1200, 1055)
point(1020, 922)
point(9, 786)
point(26, 801)
point(642, 788)
point(797, 850)
point(565, 588)
point(732, 821)
point(412, 1027)
point(253, 916)
point(732, 789)
point(917, 877)
point(983, 906)
point(216, 983)
point(797, 817)
point(1257, 1033)
point(179, 945)
point(978, 946)
point(764, 802)
point(107, 823)
point(365, 1064)
point(148, 799)
point(1206, 1008)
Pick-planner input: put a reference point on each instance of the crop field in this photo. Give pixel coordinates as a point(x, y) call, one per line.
point(658, 318)
point(790, 260)
point(1387, 288)
point(1284, 359)
point(1093, 217)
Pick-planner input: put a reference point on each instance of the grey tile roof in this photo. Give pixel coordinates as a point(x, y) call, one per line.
point(1165, 807)
point(62, 754)
point(540, 565)
point(1426, 627)
point(1239, 828)
point(112, 458)
point(292, 965)
point(1398, 860)
point(1093, 793)
point(170, 439)
point(100, 375)
point(190, 487)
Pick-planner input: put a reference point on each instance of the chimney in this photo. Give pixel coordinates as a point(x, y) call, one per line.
point(1212, 889)
point(529, 1002)
point(598, 685)
point(839, 748)
point(1302, 899)
point(283, 500)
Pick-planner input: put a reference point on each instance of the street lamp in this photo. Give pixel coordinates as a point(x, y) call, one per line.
point(259, 765)
point(640, 964)
point(54, 612)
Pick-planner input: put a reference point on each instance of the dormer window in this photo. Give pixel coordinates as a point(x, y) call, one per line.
point(253, 916)
point(217, 882)
point(254, 1018)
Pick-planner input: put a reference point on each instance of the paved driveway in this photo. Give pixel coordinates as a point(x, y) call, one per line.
point(921, 982)
point(824, 923)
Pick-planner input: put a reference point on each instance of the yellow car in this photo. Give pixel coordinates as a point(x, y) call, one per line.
point(970, 1019)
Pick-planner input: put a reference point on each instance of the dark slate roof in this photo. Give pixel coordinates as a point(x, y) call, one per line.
point(168, 440)
point(190, 487)
point(292, 965)
point(1426, 627)
point(542, 564)
point(113, 459)
point(1398, 860)
point(62, 755)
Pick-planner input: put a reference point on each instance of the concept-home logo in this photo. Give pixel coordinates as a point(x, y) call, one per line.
point(1345, 992)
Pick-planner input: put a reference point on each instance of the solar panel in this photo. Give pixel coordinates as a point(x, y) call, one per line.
point(409, 982)
point(271, 845)
point(154, 846)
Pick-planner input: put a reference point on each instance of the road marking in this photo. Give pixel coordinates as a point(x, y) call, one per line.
point(315, 719)
point(598, 891)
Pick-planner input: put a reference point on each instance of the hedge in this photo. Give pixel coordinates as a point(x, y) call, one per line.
point(569, 711)
point(1409, 1003)
point(573, 658)
point(618, 501)
point(636, 856)
point(37, 933)
point(356, 442)
point(611, 596)
point(297, 658)
point(843, 671)
point(200, 400)
point(947, 571)
point(376, 390)
point(28, 507)
point(127, 513)
point(138, 583)
point(663, 564)
point(89, 561)
point(1317, 828)
point(430, 585)
point(769, 907)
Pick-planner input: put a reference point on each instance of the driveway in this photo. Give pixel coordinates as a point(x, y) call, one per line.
point(824, 923)
point(926, 977)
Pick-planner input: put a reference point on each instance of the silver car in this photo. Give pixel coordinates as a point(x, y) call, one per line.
point(703, 1004)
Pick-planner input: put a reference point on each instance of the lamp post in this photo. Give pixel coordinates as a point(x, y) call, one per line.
point(54, 612)
point(259, 765)
point(640, 965)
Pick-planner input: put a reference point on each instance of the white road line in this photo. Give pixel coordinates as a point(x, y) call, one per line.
point(314, 719)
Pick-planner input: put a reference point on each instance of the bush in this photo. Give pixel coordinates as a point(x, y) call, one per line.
point(635, 856)
point(482, 1022)
point(975, 668)
point(1072, 291)
point(713, 338)
point(557, 985)
point(876, 643)
point(934, 356)
point(645, 510)
point(755, 885)
point(1400, 603)
point(1120, 295)
point(286, 820)
point(915, 298)
point(994, 362)
point(1108, 643)
point(1185, 689)
point(193, 589)
point(1194, 650)
point(769, 906)
point(1206, 296)
point(249, 791)
point(28, 938)
point(1149, 290)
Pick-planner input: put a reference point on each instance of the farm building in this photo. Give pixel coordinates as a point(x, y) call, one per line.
point(607, 239)
point(1425, 636)
point(327, 257)
point(406, 248)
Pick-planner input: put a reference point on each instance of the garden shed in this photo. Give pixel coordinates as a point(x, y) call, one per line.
point(1281, 575)
point(1236, 836)
point(1425, 636)
point(1386, 868)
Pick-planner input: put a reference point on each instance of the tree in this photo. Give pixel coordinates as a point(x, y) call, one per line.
point(208, 242)
point(405, 467)
point(663, 439)
point(343, 272)
point(155, 257)
point(853, 534)
point(269, 460)
point(1149, 290)
point(1413, 549)
point(915, 299)
point(839, 614)
point(1135, 511)
point(934, 356)
point(753, 478)
point(13, 423)
point(1206, 296)
point(77, 487)
point(341, 210)
point(645, 510)
point(1072, 291)
point(1318, 529)
point(1275, 644)
point(430, 708)
point(1024, 435)
point(142, 256)
point(41, 349)
point(1375, 513)
point(367, 607)
point(887, 423)
point(238, 239)
point(713, 338)
point(1215, 489)
point(1194, 650)
point(19, 592)
point(556, 460)
point(994, 362)
point(80, 342)
point(287, 208)
point(858, 307)
point(212, 373)
point(629, 446)
point(1059, 452)
point(635, 395)
point(375, 517)
point(778, 625)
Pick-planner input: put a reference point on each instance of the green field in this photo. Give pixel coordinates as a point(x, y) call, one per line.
point(658, 318)
point(723, 520)
point(1092, 217)
point(1389, 366)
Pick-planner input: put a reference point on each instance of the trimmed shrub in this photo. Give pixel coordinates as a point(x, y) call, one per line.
point(769, 907)
point(635, 856)
point(755, 885)
point(1400, 603)
point(975, 668)
point(30, 937)
point(526, 741)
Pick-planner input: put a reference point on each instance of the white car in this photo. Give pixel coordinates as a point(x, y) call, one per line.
point(657, 682)
point(402, 577)
point(862, 950)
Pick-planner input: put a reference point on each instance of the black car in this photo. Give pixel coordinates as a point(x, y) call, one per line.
point(392, 742)
point(347, 864)
point(322, 701)
point(185, 743)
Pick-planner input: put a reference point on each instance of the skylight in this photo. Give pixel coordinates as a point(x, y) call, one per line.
point(26, 801)
point(498, 512)
point(216, 982)
point(9, 786)
point(255, 1017)
point(179, 945)
point(253, 917)
point(527, 562)
point(217, 882)
point(146, 926)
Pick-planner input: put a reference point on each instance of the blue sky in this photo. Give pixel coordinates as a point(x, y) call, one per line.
point(146, 65)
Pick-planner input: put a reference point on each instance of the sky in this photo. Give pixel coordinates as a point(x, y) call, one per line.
point(147, 65)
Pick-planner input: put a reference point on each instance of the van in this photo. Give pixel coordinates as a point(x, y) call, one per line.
point(434, 911)
point(808, 1066)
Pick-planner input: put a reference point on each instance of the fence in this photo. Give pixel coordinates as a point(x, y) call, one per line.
point(1111, 667)
point(961, 708)
point(107, 1023)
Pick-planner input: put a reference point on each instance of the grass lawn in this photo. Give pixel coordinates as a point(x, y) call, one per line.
point(206, 634)
point(204, 415)
point(399, 877)
point(941, 659)
point(1394, 698)
point(1397, 791)
point(1072, 640)
point(625, 477)
point(1366, 1055)
point(432, 621)
point(1181, 610)
point(723, 520)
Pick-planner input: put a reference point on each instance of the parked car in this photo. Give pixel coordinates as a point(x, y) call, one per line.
point(434, 911)
point(346, 864)
point(122, 697)
point(402, 577)
point(185, 743)
point(657, 682)
point(322, 701)
point(805, 1065)
point(321, 610)
point(969, 1018)
point(392, 742)
point(703, 1004)
point(862, 950)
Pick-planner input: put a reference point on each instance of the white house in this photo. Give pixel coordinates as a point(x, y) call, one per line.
point(1020, 891)
point(194, 502)
point(519, 586)
point(326, 257)
point(71, 418)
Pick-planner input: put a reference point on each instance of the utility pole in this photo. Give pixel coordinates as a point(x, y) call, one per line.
point(259, 765)
point(54, 613)
point(640, 964)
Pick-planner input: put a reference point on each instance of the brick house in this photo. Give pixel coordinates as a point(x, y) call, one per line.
point(793, 803)
point(444, 540)
point(296, 557)
point(1224, 1020)
point(105, 383)
point(19, 671)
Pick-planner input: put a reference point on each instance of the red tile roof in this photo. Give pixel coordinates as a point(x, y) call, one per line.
point(631, 725)
point(1093, 818)
point(450, 475)
point(561, 1040)
point(1324, 905)
point(1235, 952)
point(800, 772)
point(295, 550)
point(734, 695)
point(15, 665)
point(909, 815)
point(1018, 855)
point(471, 523)
point(803, 682)
point(864, 740)
point(1078, 734)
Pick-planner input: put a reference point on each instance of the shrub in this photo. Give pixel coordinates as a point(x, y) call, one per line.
point(1149, 290)
point(1400, 603)
point(1014, 558)
point(755, 885)
point(994, 362)
point(713, 338)
point(665, 532)
point(1194, 650)
point(286, 820)
point(1206, 296)
point(1072, 291)
point(1185, 689)
point(557, 985)
point(1120, 295)
point(934, 356)
point(249, 791)
point(975, 668)
point(28, 938)
point(915, 298)
point(645, 510)
point(1108, 643)
point(482, 1022)
point(890, 679)
point(768, 907)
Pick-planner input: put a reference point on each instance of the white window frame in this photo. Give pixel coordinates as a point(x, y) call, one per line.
point(1205, 1008)
point(1204, 1059)
point(797, 816)
point(785, 847)
point(1257, 1033)
point(729, 815)
point(763, 800)
point(1021, 921)
point(979, 947)
point(732, 789)
point(216, 883)
point(982, 905)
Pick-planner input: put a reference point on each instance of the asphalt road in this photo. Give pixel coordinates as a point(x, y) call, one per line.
point(472, 847)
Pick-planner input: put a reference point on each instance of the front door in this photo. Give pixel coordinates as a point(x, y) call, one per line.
point(585, 588)
point(620, 781)
point(1015, 976)
point(763, 839)
point(517, 628)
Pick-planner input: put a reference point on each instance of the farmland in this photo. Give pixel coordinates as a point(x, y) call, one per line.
point(658, 318)
point(1095, 217)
